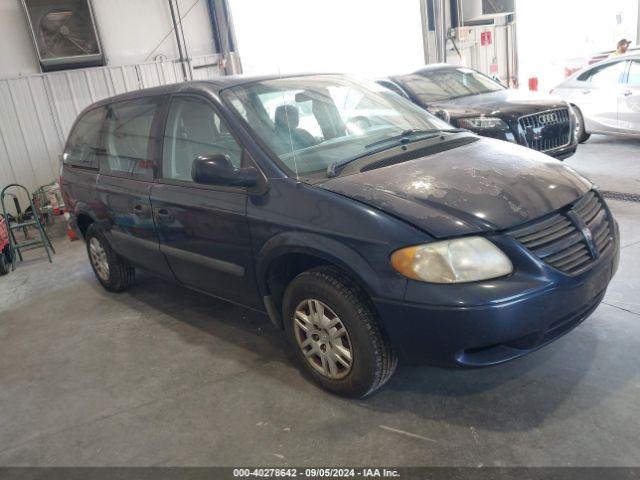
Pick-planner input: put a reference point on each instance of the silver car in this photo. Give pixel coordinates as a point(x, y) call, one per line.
point(605, 97)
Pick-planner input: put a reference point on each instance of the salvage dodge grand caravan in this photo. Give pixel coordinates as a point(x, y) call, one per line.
point(367, 229)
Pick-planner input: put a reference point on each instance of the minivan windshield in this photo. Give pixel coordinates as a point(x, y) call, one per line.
point(447, 84)
point(312, 123)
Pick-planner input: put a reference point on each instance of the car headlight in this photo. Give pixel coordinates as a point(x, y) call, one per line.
point(452, 261)
point(482, 123)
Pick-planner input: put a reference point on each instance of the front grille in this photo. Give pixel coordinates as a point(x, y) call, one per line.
point(570, 240)
point(547, 130)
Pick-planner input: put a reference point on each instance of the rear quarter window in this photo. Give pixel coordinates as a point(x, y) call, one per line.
point(83, 146)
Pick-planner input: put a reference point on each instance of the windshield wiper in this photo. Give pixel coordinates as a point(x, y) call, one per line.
point(405, 136)
point(334, 168)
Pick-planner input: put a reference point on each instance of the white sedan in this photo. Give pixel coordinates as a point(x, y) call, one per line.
point(605, 97)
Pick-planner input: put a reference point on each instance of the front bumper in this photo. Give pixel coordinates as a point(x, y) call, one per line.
point(473, 329)
point(516, 134)
point(507, 136)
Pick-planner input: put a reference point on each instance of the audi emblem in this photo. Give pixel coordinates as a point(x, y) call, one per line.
point(548, 118)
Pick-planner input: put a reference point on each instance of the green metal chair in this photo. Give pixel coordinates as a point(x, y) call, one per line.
point(21, 222)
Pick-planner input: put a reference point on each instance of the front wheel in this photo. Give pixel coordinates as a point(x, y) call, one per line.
point(335, 335)
point(581, 133)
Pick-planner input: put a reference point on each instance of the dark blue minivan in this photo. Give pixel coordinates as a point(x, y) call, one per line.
point(367, 229)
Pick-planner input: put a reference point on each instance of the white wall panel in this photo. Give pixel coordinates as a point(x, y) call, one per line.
point(141, 30)
point(130, 31)
point(37, 111)
point(17, 54)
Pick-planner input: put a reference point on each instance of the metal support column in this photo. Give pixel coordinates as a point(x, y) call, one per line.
point(440, 31)
point(224, 35)
point(638, 26)
point(425, 30)
point(185, 76)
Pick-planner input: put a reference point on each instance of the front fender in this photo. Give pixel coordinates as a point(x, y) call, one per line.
point(324, 247)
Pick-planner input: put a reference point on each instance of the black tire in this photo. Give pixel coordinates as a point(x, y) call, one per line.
point(4, 263)
point(581, 133)
point(373, 360)
point(121, 274)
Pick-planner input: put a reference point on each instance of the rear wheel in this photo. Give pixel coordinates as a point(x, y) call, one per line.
point(581, 133)
point(114, 272)
point(335, 335)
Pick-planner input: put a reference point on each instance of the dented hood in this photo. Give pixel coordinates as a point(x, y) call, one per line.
point(483, 186)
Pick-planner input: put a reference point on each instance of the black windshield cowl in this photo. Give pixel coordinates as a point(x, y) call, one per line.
point(405, 137)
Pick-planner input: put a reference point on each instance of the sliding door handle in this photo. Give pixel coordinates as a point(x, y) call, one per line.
point(164, 215)
point(140, 210)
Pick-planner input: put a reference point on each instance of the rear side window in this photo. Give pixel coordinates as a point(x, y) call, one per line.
point(634, 73)
point(83, 147)
point(127, 138)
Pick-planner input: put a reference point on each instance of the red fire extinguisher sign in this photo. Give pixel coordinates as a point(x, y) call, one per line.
point(485, 39)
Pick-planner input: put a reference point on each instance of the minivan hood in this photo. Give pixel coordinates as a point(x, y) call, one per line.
point(500, 103)
point(484, 186)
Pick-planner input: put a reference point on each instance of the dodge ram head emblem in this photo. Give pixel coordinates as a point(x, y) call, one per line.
point(586, 233)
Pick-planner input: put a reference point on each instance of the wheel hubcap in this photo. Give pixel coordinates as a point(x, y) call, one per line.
point(99, 258)
point(323, 339)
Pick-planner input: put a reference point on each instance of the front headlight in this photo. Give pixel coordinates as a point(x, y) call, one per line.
point(482, 123)
point(452, 261)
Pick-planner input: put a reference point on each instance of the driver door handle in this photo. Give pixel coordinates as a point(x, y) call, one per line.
point(627, 93)
point(586, 92)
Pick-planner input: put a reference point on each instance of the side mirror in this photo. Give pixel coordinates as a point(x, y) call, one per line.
point(218, 170)
point(442, 115)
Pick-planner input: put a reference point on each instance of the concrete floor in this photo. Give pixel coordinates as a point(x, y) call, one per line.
point(161, 375)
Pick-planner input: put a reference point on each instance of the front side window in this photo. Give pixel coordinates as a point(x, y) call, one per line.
point(128, 140)
point(83, 148)
point(608, 74)
point(313, 122)
point(634, 73)
point(194, 129)
point(446, 84)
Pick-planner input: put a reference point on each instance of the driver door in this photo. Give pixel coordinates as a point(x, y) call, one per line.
point(598, 100)
point(203, 229)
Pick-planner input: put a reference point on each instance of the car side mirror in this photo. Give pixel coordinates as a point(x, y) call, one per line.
point(442, 115)
point(218, 170)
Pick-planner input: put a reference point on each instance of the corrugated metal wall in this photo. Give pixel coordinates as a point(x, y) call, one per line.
point(37, 111)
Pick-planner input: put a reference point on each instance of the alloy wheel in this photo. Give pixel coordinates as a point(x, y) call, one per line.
point(99, 259)
point(323, 339)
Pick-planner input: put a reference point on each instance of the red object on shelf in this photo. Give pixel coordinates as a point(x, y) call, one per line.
point(533, 84)
point(485, 39)
point(4, 234)
point(71, 234)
